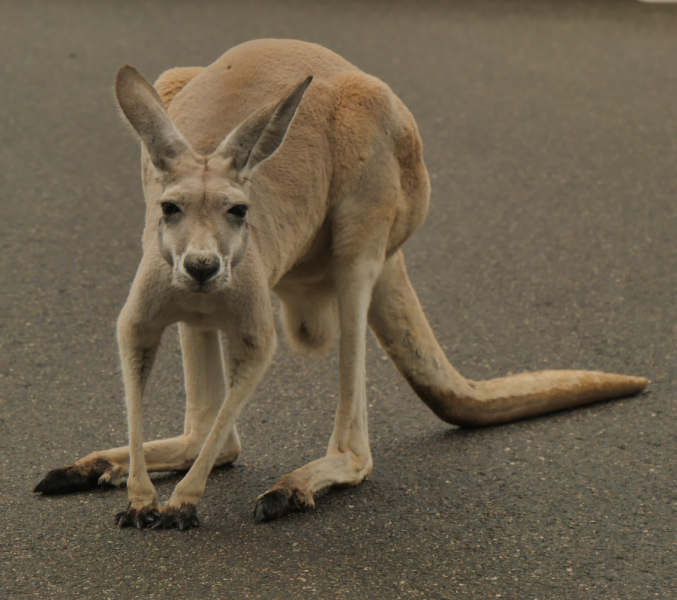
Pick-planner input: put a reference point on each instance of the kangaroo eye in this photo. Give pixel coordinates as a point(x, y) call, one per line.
point(239, 211)
point(169, 209)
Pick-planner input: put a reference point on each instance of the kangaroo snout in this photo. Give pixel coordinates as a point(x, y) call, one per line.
point(201, 268)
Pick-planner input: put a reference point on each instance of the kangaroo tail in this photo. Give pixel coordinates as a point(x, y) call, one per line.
point(397, 320)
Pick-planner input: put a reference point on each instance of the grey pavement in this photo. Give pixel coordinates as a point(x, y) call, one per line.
point(550, 133)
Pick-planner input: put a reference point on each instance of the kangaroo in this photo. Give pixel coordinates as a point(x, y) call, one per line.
point(233, 213)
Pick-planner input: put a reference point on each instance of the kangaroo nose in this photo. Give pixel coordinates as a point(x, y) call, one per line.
point(202, 269)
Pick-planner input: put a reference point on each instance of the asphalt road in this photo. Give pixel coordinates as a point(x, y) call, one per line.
point(550, 133)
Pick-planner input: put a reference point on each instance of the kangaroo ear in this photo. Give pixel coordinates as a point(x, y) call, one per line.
point(145, 112)
point(261, 134)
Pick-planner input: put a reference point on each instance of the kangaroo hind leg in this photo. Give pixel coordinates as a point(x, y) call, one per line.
point(348, 459)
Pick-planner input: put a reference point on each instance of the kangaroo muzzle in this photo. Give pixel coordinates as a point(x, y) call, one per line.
point(201, 268)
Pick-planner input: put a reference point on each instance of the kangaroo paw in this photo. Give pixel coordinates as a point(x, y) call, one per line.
point(140, 518)
point(182, 517)
point(74, 478)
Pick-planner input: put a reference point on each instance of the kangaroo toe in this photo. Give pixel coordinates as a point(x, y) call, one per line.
point(182, 517)
point(139, 518)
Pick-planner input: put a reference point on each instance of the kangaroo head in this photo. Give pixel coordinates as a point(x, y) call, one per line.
point(200, 204)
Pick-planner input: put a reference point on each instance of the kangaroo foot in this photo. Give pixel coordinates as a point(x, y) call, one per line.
point(77, 478)
point(278, 502)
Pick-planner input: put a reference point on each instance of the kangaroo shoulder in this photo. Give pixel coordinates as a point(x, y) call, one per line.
point(172, 81)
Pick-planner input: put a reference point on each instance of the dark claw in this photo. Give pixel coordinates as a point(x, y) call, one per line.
point(145, 517)
point(183, 517)
point(124, 518)
point(73, 478)
point(273, 505)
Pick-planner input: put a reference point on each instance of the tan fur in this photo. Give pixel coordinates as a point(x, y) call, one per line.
point(171, 82)
point(328, 211)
